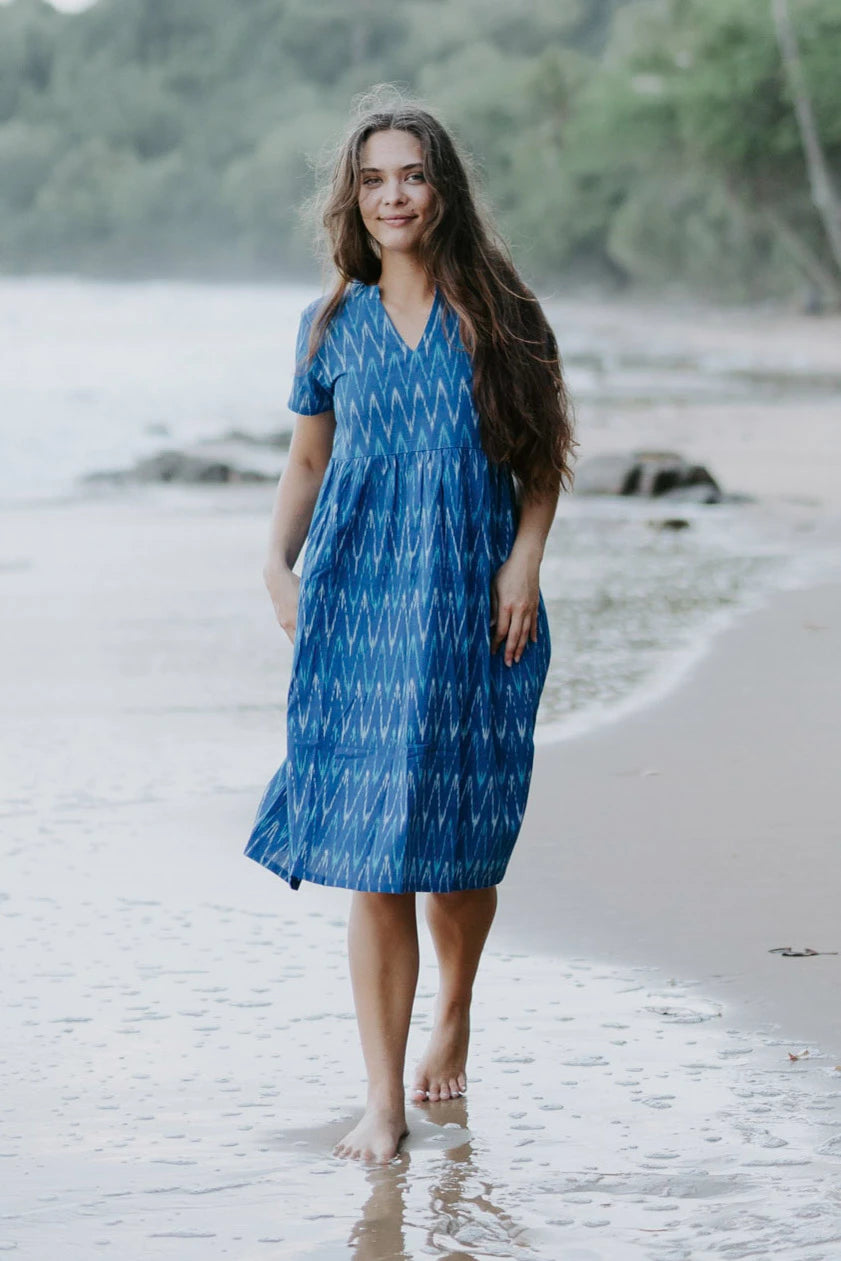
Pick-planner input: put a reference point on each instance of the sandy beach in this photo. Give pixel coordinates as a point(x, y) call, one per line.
point(180, 1046)
point(179, 1049)
point(702, 832)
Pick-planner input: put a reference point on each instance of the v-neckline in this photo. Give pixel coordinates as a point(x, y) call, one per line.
point(411, 350)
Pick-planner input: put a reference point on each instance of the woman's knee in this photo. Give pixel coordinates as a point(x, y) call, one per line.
point(461, 902)
point(385, 906)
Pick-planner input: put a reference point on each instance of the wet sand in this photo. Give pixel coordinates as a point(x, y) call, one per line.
point(179, 1051)
point(702, 831)
point(179, 1042)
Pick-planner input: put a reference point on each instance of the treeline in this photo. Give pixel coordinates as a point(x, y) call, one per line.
point(622, 141)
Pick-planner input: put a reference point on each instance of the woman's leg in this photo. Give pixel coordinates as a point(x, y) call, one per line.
point(459, 923)
point(383, 947)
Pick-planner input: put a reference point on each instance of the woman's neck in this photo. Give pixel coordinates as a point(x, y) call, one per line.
point(403, 281)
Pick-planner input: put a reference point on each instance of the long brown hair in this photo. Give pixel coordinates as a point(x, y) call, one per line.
point(525, 417)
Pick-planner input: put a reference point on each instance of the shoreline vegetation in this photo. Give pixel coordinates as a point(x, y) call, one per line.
point(141, 139)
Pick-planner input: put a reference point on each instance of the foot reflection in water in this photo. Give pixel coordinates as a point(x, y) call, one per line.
point(379, 1235)
point(432, 1199)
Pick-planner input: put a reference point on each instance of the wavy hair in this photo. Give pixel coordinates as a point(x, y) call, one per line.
point(525, 418)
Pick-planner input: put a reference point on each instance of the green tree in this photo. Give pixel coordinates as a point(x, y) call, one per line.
point(647, 141)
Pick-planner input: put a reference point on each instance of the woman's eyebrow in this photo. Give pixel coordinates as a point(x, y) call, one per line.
point(368, 170)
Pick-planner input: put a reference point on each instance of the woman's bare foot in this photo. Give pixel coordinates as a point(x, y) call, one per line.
point(378, 1135)
point(441, 1072)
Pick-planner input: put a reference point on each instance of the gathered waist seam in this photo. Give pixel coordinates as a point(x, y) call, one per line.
point(389, 455)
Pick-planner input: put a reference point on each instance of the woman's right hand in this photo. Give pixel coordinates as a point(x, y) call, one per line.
point(282, 584)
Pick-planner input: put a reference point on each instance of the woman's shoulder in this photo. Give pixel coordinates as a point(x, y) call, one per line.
point(351, 298)
point(354, 299)
point(343, 320)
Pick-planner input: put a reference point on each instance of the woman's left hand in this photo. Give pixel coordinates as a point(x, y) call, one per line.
point(515, 594)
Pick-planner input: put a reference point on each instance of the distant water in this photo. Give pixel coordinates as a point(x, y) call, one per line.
point(92, 376)
point(96, 375)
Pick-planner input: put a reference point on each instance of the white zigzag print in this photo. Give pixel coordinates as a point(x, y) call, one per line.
point(409, 744)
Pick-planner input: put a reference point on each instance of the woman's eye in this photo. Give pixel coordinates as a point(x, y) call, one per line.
point(417, 175)
point(372, 179)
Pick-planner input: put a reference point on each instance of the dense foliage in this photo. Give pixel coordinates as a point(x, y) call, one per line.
point(630, 140)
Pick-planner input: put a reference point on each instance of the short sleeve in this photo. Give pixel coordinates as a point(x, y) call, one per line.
point(312, 391)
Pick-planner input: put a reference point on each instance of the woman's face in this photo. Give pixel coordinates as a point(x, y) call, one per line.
point(395, 200)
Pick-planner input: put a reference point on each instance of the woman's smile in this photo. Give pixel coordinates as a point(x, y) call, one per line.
point(394, 197)
point(397, 220)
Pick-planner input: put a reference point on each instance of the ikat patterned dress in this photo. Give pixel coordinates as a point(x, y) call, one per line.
point(409, 744)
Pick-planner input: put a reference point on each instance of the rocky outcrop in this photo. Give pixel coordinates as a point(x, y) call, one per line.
point(649, 474)
point(236, 458)
point(180, 466)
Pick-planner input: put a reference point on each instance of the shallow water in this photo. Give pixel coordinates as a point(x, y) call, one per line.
point(632, 605)
point(179, 1044)
point(178, 1068)
point(180, 1054)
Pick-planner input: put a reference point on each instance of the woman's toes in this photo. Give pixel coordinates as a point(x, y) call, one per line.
point(377, 1137)
point(420, 1090)
point(441, 1070)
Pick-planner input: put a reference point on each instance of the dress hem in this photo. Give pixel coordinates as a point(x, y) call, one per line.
point(295, 881)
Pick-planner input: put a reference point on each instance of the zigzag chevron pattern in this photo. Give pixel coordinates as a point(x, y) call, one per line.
point(409, 744)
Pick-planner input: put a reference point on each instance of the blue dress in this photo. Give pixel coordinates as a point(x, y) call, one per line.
point(409, 744)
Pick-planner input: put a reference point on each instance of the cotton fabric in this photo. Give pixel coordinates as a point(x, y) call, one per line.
point(409, 744)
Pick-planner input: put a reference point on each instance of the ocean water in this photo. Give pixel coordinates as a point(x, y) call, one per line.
point(94, 376)
point(632, 605)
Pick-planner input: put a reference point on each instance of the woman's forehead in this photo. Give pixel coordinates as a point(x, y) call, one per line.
point(391, 149)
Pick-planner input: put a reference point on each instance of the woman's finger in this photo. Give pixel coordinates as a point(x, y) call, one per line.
point(498, 637)
point(524, 637)
point(501, 626)
point(515, 631)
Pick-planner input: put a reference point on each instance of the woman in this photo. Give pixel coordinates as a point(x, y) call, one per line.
point(431, 441)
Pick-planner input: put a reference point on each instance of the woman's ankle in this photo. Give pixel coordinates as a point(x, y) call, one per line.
point(386, 1099)
point(452, 1007)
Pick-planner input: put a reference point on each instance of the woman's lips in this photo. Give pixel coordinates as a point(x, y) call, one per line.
point(398, 219)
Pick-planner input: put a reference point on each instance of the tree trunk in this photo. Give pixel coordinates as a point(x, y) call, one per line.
point(813, 268)
point(823, 195)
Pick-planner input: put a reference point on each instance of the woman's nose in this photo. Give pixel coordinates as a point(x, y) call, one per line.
point(394, 192)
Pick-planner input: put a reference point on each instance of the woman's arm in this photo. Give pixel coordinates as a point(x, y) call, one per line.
point(297, 491)
point(515, 589)
point(536, 517)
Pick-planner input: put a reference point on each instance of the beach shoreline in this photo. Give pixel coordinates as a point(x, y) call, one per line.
point(171, 1052)
point(700, 832)
point(161, 632)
